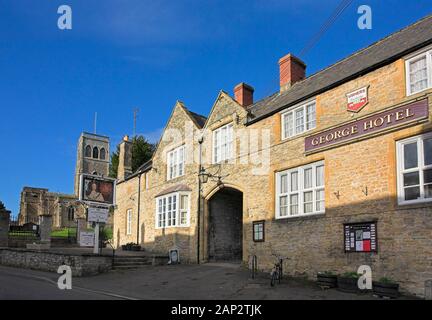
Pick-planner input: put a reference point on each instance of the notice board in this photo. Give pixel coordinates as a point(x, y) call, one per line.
point(360, 237)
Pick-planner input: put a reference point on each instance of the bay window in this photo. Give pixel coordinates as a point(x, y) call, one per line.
point(223, 139)
point(176, 163)
point(298, 120)
point(300, 191)
point(172, 210)
point(414, 157)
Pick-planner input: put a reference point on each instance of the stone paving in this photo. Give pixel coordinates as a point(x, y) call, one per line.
point(222, 281)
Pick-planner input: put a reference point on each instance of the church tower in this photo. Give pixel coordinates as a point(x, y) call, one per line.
point(93, 157)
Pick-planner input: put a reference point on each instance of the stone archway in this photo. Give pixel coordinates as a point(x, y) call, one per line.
point(225, 225)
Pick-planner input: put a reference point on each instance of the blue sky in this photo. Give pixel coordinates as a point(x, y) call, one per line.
point(128, 54)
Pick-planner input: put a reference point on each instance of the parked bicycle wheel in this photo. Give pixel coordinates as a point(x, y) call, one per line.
point(273, 278)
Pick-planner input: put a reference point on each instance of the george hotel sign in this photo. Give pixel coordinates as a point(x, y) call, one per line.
point(361, 128)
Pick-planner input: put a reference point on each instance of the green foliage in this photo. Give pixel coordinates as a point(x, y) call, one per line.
point(106, 234)
point(142, 151)
point(63, 233)
point(2, 206)
point(353, 275)
point(114, 163)
point(327, 273)
point(387, 280)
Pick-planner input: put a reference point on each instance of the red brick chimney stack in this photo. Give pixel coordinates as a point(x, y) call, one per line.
point(243, 94)
point(291, 70)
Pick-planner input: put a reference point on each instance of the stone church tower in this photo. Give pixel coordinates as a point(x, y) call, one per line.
point(93, 157)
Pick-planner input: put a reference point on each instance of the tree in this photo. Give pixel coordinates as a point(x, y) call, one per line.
point(114, 163)
point(2, 206)
point(142, 151)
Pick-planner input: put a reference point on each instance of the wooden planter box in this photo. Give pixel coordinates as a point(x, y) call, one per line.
point(327, 280)
point(390, 290)
point(346, 284)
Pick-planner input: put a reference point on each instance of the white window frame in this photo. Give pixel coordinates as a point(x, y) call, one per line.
point(421, 167)
point(300, 191)
point(162, 219)
point(223, 147)
point(292, 112)
point(129, 222)
point(417, 56)
point(176, 160)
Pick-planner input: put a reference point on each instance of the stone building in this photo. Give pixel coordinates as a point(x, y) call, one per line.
point(92, 158)
point(333, 171)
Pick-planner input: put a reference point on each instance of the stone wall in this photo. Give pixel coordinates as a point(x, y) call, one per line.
point(81, 265)
point(313, 243)
point(4, 227)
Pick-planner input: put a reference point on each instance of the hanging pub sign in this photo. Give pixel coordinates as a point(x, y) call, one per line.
point(360, 237)
point(390, 119)
point(357, 100)
point(97, 190)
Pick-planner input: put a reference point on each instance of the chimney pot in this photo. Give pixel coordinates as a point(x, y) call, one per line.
point(243, 94)
point(291, 70)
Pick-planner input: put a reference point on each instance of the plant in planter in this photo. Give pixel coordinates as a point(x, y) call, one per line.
point(385, 287)
point(128, 246)
point(348, 282)
point(136, 247)
point(327, 279)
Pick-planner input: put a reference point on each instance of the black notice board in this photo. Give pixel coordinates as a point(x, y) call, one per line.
point(360, 237)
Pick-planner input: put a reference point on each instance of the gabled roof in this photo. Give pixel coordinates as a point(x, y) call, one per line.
point(377, 55)
point(199, 119)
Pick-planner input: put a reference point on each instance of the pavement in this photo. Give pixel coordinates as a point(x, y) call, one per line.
point(222, 281)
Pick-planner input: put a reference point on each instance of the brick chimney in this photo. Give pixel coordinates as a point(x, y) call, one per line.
point(291, 70)
point(125, 159)
point(243, 94)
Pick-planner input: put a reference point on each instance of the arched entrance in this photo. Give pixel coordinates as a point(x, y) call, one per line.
point(225, 229)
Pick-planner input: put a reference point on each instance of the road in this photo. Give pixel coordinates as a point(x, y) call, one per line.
point(223, 281)
point(20, 284)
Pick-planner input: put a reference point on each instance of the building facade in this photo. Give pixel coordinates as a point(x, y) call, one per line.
point(92, 158)
point(333, 171)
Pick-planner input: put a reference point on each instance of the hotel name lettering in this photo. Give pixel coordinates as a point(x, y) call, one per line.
point(375, 123)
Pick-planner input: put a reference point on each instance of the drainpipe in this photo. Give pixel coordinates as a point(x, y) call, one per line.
point(200, 141)
point(138, 209)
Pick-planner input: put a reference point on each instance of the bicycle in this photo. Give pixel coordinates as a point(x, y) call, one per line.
point(277, 272)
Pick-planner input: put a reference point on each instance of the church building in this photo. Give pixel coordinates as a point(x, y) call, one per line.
point(92, 158)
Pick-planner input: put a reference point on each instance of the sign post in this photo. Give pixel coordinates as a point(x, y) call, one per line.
point(96, 242)
point(98, 193)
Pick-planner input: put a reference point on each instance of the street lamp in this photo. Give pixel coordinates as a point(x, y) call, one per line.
point(204, 177)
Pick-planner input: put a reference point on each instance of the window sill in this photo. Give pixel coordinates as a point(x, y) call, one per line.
point(301, 217)
point(176, 178)
point(172, 227)
point(414, 205)
point(300, 135)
